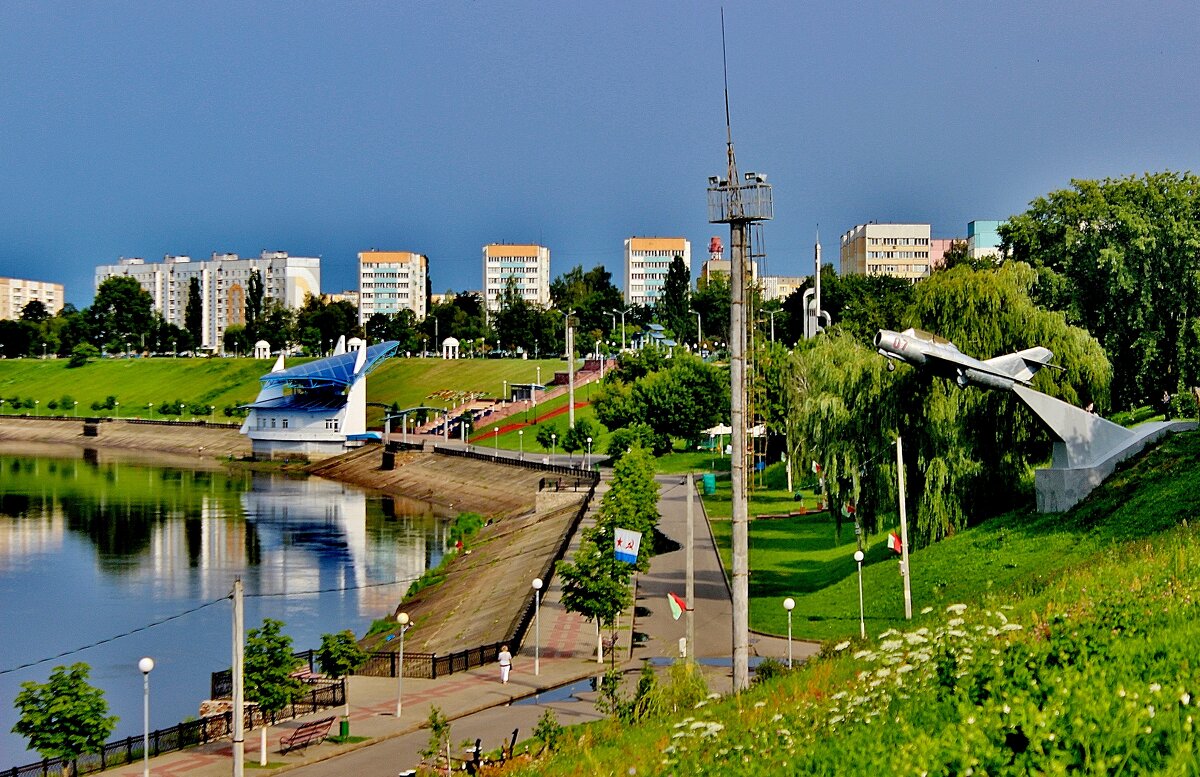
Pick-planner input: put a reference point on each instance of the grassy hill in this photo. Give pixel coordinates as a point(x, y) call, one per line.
point(139, 383)
point(1042, 644)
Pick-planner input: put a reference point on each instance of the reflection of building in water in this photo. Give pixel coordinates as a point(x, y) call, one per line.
point(27, 531)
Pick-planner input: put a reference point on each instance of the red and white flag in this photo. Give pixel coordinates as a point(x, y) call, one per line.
point(894, 543)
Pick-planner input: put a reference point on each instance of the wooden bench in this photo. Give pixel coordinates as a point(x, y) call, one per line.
point(306, 734)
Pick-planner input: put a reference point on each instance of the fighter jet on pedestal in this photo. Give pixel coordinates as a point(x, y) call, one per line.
point(942, 357)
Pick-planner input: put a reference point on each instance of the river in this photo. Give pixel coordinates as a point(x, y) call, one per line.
point(90, 551)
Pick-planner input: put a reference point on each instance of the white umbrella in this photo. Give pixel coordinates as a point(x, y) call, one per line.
point(719, 429)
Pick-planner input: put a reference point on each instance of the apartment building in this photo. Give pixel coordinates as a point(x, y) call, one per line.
point(527, 264)
point(899, 250)
point(647, 260)
point(16, 293)
point(224, 285)
point(391, 281)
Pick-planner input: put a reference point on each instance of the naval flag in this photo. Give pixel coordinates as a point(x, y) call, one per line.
point(626, 544)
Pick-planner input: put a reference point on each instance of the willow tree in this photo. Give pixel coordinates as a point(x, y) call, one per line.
point(968, 452)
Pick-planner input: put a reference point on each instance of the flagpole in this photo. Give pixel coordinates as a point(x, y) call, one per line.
point(690, 591)
point(903, 532)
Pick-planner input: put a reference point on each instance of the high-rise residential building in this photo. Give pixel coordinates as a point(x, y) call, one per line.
point(391, 281)
point(15, 294)
point(647, 260)
point(983, 238)
point(899, 250)
point(528, 266)
point(224, 286)
point(780, 286)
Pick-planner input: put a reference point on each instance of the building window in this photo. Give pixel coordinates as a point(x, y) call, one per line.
point(331, 424)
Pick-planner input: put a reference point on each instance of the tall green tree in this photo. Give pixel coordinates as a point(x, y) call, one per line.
point(593, 297)
point(193, 314)
point(711, 300)
point(673, 307)
point(680, 400)
point(254, 305)
point(64, 717)
point(120, 313)
point(340, 656)
point(1119, 257)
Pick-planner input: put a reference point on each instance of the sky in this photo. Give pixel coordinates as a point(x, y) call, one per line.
point(140, 129)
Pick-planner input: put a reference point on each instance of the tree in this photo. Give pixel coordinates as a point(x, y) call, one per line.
point(968, 452)
point(595, 585)
point(959, 255)
point(673, 308)
point(277, 325)
point(576, 438)
point(237, 340)
point(516, 320)
point(547, 435)
point(254, 305)
point(1118, 257)
point(34, 312)
point(268, 666)
point(860, 304)
point(120, 313)
point(339, 656)
point(711, 300)
point(64, 717)
point(593, 297)
point(193, 314)
point(684, 399)
point(631, 502)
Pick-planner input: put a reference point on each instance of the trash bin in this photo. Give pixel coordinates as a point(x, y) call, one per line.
point(710, 483)
point(344, 728)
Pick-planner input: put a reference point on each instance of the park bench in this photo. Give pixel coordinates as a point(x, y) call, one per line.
point(306, 734)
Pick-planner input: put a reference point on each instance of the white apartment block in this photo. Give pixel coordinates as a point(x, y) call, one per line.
point(528, 264)
point(780, 287)
point(224, 286)
point(899, 250)
point(391, 281)
point(15, 294)
point(647, 260)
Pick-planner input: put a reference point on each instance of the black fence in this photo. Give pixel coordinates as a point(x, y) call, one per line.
point(130, 750)
point(587, 474)
point(395, 446)
point(221, 683)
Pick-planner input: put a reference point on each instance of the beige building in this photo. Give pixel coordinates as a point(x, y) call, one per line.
point(224, 286)
point(391, 281)
point(528, 265)
point(647, 260)
point(899, 250)
point(15, 294)
point(780, 286)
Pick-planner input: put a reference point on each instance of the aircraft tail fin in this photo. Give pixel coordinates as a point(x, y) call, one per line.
point(1022, 365)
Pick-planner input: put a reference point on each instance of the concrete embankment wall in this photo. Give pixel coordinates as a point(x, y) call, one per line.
point(194, 441)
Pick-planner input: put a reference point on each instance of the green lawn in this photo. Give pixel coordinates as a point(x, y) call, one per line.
point(1014, 554)
point(137, 383)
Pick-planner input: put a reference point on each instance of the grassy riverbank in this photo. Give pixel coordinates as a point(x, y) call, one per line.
point(1040, 644)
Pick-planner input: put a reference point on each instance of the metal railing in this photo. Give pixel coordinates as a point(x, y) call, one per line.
point(588, 474)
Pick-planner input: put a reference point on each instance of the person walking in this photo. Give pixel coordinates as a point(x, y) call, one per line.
point(505, 663)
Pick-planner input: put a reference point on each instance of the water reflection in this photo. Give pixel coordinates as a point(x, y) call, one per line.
point(90, 549)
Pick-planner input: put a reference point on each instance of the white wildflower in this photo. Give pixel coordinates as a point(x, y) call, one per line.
point(890, 645)
point(955, 622)
point(1185, 699)
point(1155, 687)
point(957, 609)
point(758, 704)
point(926, 610)
point(841, 645)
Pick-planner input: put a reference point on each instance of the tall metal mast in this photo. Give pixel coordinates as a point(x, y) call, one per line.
point(739, 204)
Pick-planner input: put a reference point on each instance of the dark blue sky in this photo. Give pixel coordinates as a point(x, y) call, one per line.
point(140, 129)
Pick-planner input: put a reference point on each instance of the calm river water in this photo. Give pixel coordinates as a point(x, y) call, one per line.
point(90, 551)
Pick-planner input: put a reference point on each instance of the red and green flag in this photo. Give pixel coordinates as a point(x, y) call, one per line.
point(894, 543)
point(678, 605)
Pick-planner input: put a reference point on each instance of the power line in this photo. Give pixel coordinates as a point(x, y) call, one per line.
point(179, 615)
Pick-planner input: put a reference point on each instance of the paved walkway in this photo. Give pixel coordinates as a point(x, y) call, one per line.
point(479, 705)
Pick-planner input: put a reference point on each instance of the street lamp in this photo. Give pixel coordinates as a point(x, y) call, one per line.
point(588, 464)
point(149, 409)
point(36, 402)
point(699, 339)
point(496, 440)
point(862, 623)
point(402, 619)
point(553, 442)
point(212, 416)
point(117, 408)
point(537, 625)
point(180, 411)
point(622, 314)
point(144, 666)
point(789, 604)
point(521, 442)
point(75, 408)
point(772, 313)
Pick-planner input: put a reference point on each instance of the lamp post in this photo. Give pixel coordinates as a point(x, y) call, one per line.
point(117, 408)
point(622, 314)
point(75, 408)
point(699, 339)
point(149, 409)
point(521, 442)
point(496, 441)
point(789, 604)
point(145, 666)
point(212, 414)
point(862, 623)
point(537, 625)
point(588, 464)
point(772, 313)
point(180, 411)
point(402, 619)
point(36, 402)
point(553, 442)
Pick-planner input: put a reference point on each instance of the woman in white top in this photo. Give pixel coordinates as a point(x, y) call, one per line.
point(505, 663)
